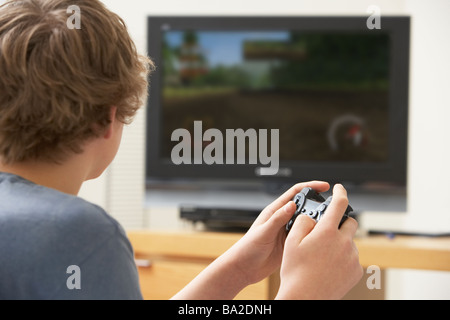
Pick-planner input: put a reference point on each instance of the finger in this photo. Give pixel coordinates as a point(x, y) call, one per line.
point(280, 218)
point(303, 225)
point(319, 186)
point(350, 226)
point(282, 215)
point(335, 211)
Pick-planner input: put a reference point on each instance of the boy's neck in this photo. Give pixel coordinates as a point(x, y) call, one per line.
point(67, 177)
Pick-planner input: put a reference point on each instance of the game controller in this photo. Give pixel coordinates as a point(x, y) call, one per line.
point(312, 204)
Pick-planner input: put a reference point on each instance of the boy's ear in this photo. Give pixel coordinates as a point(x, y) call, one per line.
point(109, 128)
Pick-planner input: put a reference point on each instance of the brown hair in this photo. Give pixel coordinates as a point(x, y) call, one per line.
point(58, 84)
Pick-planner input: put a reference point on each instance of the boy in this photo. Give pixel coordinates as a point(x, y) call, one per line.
point(65, 95)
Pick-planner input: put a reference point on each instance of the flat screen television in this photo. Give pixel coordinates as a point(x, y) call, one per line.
point(328, 95)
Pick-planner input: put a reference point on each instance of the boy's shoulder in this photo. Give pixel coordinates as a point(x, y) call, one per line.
point(36, 213)
point(43, 232)
point(23, 200)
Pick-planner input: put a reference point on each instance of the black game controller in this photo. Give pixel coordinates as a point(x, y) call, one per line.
point(312, 204)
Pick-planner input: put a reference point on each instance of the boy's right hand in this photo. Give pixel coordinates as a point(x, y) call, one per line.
point(321, 261)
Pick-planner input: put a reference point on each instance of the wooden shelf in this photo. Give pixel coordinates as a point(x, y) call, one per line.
point(405, 252)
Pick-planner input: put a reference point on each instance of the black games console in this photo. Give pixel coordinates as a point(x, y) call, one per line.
point(220, 217)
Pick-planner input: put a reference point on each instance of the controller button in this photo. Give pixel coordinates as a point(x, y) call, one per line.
point(313, 214)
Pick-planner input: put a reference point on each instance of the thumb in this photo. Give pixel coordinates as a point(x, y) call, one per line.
point(303, 225)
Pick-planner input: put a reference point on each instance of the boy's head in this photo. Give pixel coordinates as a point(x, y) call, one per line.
point(58, 85)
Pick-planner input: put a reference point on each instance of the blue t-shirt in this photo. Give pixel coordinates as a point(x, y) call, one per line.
point(57, 246)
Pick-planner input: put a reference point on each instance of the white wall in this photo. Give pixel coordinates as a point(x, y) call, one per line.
point(429, 153)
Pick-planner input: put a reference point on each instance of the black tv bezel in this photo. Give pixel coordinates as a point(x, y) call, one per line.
point(394, 171)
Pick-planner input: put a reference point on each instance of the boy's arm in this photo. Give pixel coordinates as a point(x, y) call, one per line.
point(218, 281)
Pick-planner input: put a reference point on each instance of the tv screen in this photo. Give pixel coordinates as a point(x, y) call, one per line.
point(335, 91)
